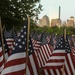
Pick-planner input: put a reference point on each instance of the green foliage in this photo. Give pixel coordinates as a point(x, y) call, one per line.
point(14, 12)
point(55, 30)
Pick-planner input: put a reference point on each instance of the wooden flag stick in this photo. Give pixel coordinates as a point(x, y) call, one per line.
point(63, 70)
point(13, 35)
point(65, 39)
point(2, 41)
point(65, 34)
point(27, 43)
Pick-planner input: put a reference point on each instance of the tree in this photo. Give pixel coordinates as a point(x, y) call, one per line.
point(14, 12)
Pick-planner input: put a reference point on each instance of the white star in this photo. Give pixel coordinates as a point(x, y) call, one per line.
point(25, 39)
point(61, 42)
point(24, 32)
point(57, 46)
point(61, 46)
point(28, 49)
point(20, 46)
point(19, 40)
point(24, 26)
point(61, 38)
point(22, 36)
point(29, 45)
point(23, 42)
point(21, 30)
point(16, 44)
point(67, 44)
point(66, 40)
point(31, 50)
point(13, 48)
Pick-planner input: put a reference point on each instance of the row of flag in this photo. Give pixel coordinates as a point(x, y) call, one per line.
point(47, 55)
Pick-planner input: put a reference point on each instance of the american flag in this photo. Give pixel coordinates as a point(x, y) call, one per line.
point(63, 61)
point(1, 57)
point(16, 63)
point(9, 39)
point(48, 39)
point(73, 52)
point(6, 49)
point(36, 43)
point(15, 37)
point(69, 67)
point(43, 53)
point(57, 58)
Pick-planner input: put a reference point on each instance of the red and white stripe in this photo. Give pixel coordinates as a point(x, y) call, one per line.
point(43, 54)
point(33, 41)
point(73, 52)
point(1, 60)
point(36, 44)
point(10, 43)
point(52, 72)
point(16, 65)
point(33, 67)
point(69, 67)
point(48, 39)
point(56, 60)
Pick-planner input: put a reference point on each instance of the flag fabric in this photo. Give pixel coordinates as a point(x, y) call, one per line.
point(39, 36)
point(36, 43)
point(9, 39)
point(51, 43)
point(14, 34)
point(64, 63)
point(55, 41)
point(6, 49)
point(42, 54)
point(16, 62)
point(48, 39)
point(1, 56)
point(73, 52)
point(69, 68)
point(57, 58)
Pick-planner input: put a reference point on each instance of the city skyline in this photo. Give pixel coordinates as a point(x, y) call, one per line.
point(51, 9)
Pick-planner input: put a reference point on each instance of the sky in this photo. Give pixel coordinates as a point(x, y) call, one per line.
point(51, 9)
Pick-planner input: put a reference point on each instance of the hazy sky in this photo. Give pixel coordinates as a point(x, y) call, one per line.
point(51, 7)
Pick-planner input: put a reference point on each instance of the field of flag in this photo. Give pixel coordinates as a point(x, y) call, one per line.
point(47, 54)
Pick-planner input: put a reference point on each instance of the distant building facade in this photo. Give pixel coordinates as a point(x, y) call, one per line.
point(44, 21)
point(70, 22)
point(55, 22)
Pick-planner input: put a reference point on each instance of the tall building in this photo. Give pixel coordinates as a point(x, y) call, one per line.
point(44, 21)
point(72, 18)
point(70, 22)
point(55, 22)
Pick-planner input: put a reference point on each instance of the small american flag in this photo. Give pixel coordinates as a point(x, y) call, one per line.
point(69, 65)
point(16, 63)
point(1, 57)
point(9, 39)
point(7, 51)
point(58, 56)
point(35, 42)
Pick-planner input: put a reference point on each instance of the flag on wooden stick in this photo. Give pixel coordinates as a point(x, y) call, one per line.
point(16, 63)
